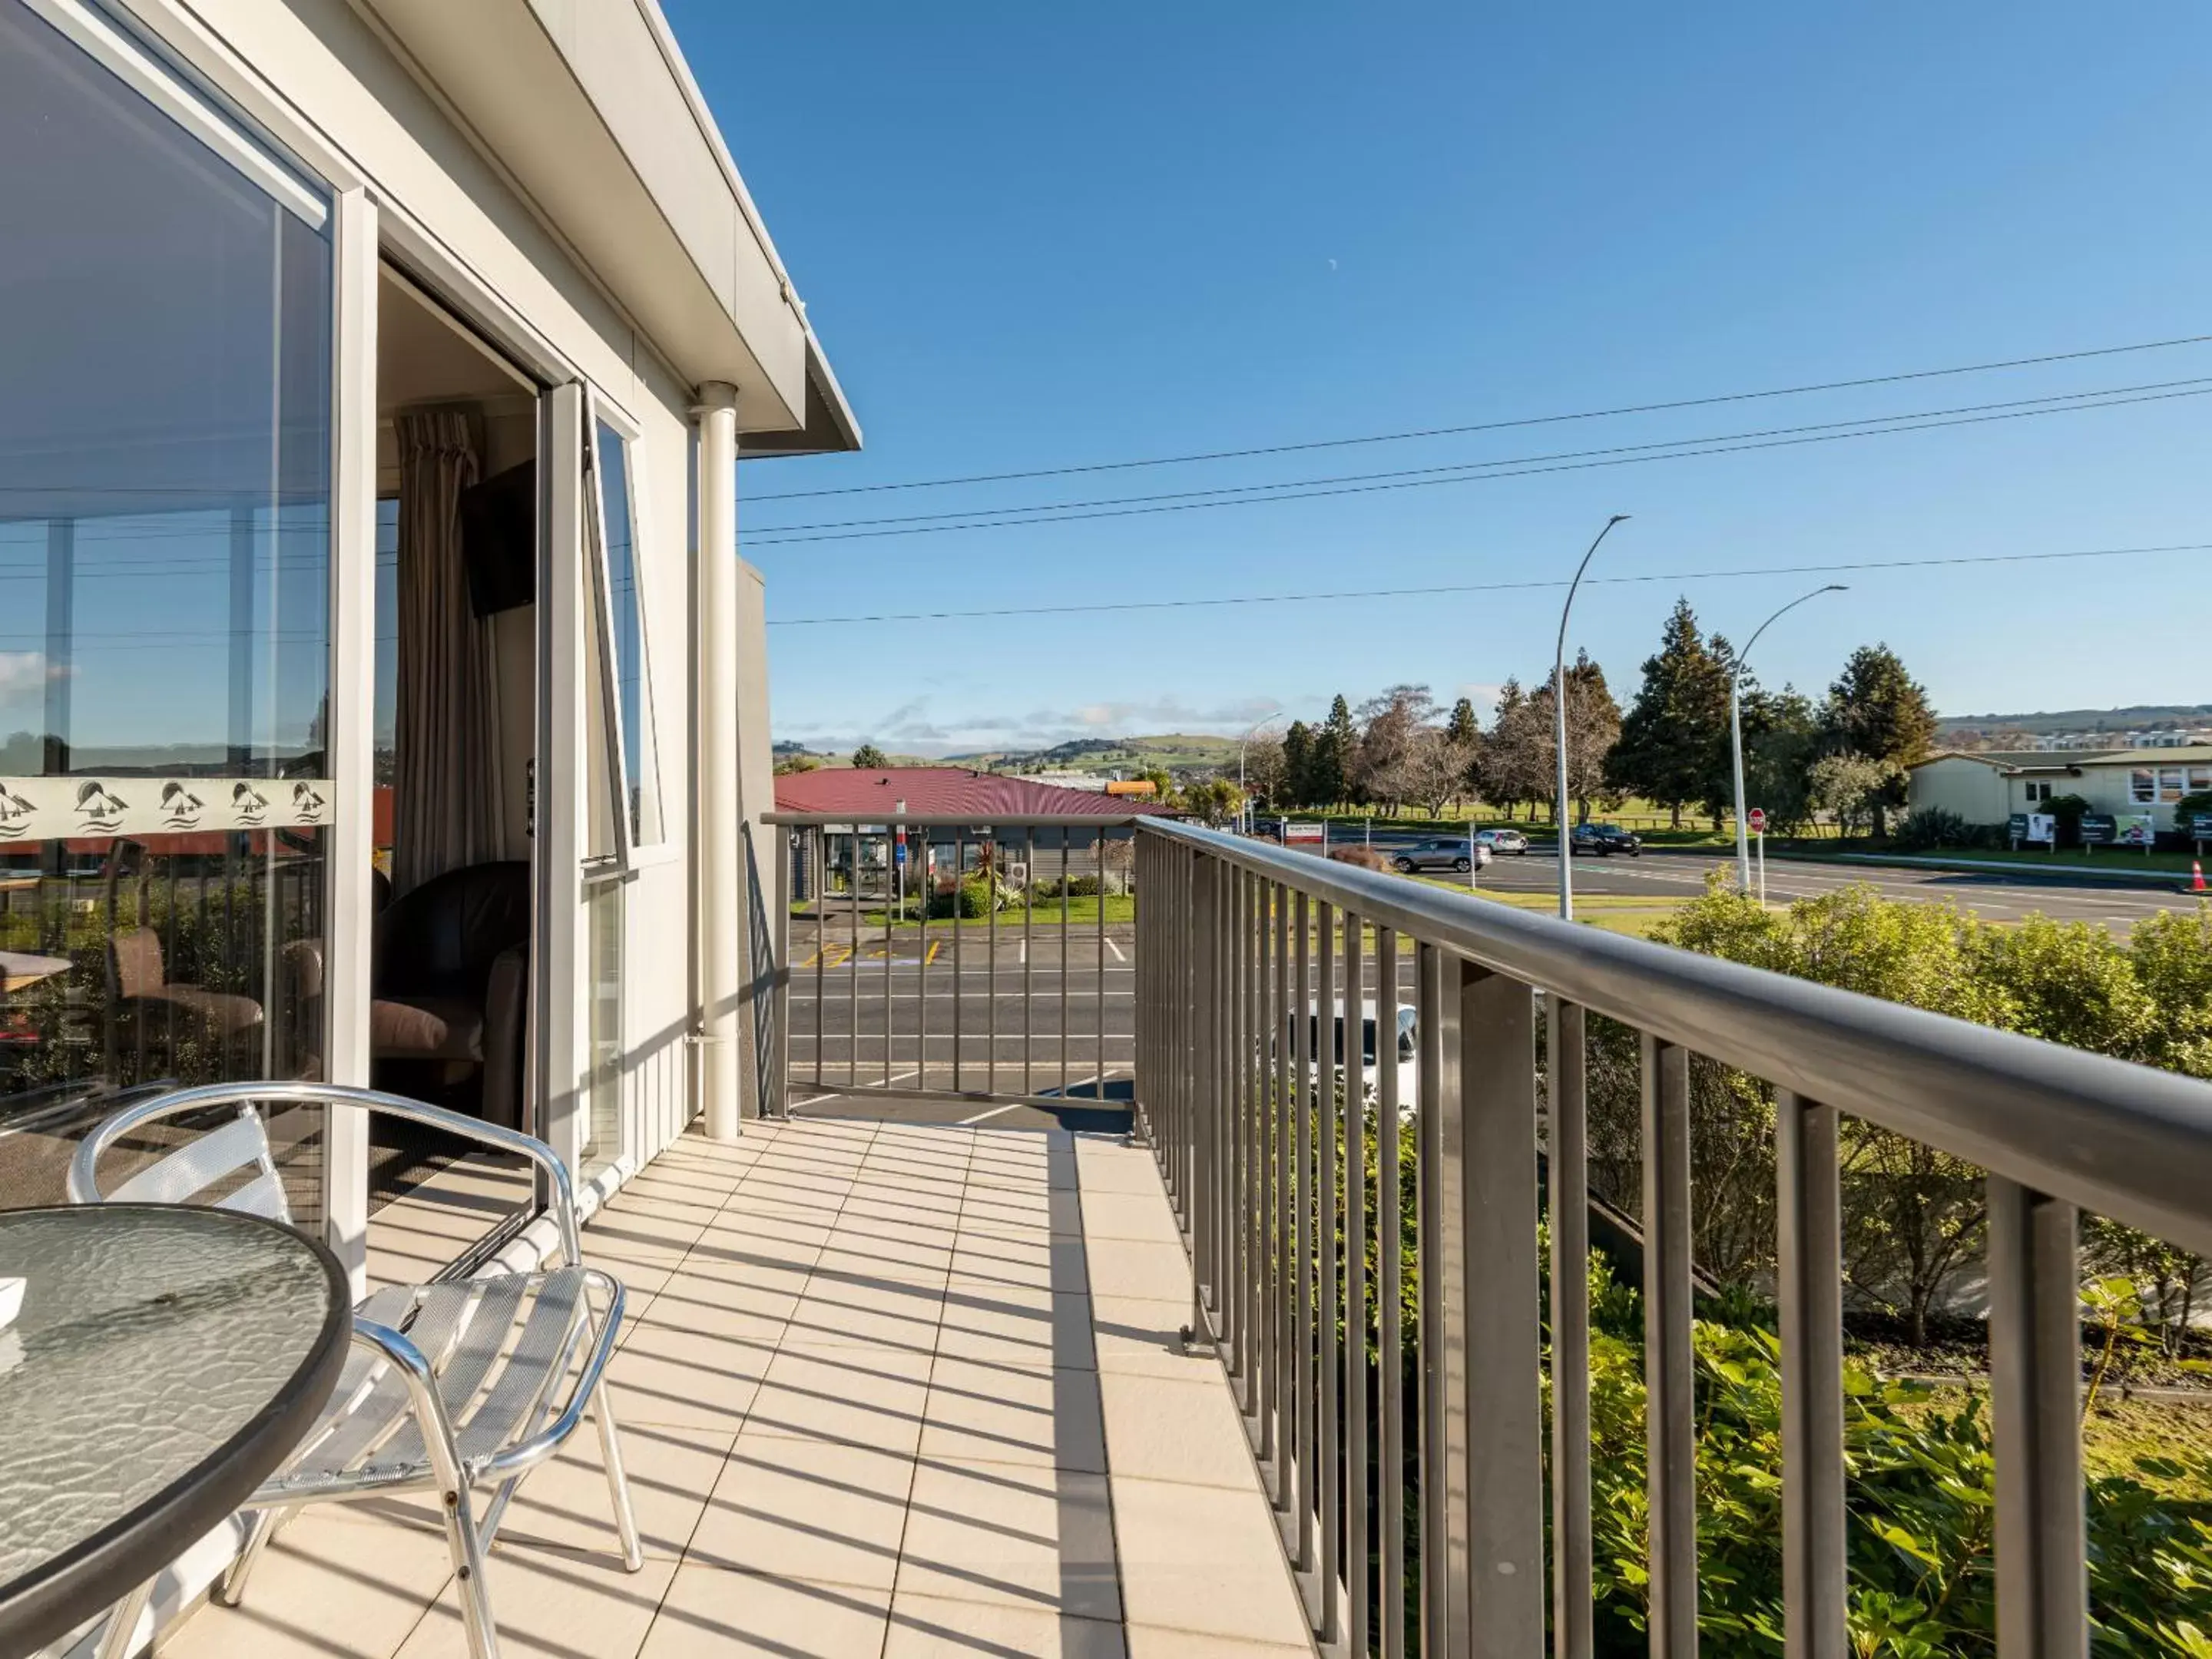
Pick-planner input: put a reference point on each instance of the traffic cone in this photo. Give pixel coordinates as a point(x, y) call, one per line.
point(2197, 875)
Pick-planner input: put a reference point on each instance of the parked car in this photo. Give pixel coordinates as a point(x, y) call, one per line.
point(1452, 854)
point(1502, 841)
point(1604, 840)
point(1409, 1051)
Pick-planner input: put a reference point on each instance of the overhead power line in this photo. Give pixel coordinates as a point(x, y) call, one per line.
point(1895, 379)
point(1483, 588)
point(2049, 402)
point(1568, 461)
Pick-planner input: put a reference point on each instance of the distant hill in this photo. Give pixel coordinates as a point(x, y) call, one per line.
point(2002, 731)
point(1169, 751)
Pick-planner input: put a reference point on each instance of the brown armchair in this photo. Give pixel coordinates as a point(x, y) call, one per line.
point(450, 980)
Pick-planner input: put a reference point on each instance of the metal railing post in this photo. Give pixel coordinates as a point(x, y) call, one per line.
point(1447, 1599)
point(1390, 1370)
point(1669, 1362)
point(1567, 1165)
point(2035, 1398)
point(1810, 1284)
point(1504, 1343)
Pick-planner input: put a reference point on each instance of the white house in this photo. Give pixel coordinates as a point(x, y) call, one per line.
point(382, 695)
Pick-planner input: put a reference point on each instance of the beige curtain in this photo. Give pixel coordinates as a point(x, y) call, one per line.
point(446, 713)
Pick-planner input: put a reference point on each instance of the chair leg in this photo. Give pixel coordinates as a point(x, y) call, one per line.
point(230, 1590)
point(469, 1571)
point(603, 1411)
point(116, 1641)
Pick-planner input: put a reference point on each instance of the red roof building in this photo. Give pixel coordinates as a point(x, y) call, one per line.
point(869, 795)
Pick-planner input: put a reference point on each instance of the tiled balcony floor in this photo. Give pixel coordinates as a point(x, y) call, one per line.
point(886, 1390)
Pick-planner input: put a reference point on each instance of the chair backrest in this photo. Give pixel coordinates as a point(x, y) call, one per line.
point(209, 1159)
point(440, 939)
point(134, 958)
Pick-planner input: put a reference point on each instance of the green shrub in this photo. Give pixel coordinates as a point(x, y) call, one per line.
point(1934, 827)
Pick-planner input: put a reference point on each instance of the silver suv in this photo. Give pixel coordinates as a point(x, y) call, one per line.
point(1452, 854)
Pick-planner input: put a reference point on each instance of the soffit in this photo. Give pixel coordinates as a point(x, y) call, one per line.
point(575, 100)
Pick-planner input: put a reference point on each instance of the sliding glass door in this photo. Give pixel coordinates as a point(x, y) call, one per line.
point(166, 319)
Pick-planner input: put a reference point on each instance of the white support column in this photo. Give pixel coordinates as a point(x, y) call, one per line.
point(721, 919)
point(349, 842)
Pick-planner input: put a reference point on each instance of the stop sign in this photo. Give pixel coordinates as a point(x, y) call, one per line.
point(1758, 820)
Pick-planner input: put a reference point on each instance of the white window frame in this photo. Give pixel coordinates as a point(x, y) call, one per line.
point(141, 69)
point(629, 852)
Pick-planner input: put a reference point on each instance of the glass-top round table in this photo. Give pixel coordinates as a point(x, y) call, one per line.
point(165, 1361)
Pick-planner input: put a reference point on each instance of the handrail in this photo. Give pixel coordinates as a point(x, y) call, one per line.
point(2122, 1140)
point(964, 820)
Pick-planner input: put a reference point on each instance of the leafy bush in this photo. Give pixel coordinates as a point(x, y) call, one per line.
point(2070, 810)
point(1364, 858)
point(972, 899)
point(1933, 828)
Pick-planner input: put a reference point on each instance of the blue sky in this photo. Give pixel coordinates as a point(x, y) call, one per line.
point(1031, 239)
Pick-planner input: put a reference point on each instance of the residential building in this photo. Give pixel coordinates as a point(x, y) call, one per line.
point(1989, 787)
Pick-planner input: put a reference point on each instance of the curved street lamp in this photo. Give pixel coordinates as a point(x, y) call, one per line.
point(1735, 730)
point(1559, 721)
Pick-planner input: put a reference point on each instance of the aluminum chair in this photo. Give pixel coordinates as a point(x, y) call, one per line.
point(452, 1384)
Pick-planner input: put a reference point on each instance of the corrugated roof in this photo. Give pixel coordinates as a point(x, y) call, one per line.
point(941, 791)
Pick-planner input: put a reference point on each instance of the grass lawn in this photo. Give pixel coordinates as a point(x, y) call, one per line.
point(2113, 859)
point(1616, 912)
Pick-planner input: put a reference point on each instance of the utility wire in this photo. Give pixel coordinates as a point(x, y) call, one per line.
point(1485, 587)
point(1299, 494)
point(2055, 400)
point(1499, 426)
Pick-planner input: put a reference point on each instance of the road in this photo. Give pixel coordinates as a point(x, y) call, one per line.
point(1993, 898)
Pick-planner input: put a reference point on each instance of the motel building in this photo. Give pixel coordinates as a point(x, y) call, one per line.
point(382, 698)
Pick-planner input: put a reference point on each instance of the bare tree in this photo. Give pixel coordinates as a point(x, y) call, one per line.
point(1391, 728)
point(1435, 768)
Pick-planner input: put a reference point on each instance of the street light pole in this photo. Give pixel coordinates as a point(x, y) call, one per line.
point(1244, 800)
point(1735, 730)
point(1560, 723)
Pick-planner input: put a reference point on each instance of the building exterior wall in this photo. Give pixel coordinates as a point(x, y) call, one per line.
point(340, 91)
point(2124, 786)
point(1973, 789)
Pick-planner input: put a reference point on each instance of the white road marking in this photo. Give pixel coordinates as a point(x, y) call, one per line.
point(985, 1117)
point(1116, 950)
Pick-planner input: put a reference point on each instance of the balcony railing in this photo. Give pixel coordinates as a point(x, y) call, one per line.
point(1436, 1518)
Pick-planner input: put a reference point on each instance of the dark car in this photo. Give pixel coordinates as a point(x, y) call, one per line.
point(1450, 855)
point(1604, 840)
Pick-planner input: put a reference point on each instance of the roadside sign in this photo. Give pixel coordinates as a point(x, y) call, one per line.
point(1758, 820)
point(2139, 832)
point(1304, 832)
point(2043, 827)
point(2099, 830)
point(2016, 828)
point(2200, 826)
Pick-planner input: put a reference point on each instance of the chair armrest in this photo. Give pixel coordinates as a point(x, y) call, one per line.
point(83, 1186)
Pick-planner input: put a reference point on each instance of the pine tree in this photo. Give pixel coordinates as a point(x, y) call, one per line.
point(1463, 732)
point(1333, 752)
point(1674, 737)
point(1298, 764)
point(1877, 710)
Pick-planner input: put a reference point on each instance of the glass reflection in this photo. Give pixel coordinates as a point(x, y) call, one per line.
point(164, 608)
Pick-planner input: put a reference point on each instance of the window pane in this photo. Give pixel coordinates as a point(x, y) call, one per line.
point(2169, 784)
point(164, 609)
point(2140, 787)
point(640, 788)
point(603, 1080)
